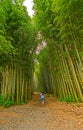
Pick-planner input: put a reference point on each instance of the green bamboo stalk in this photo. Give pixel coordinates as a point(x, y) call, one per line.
point(74, 75)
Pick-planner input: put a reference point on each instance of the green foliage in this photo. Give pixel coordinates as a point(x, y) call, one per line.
point(5, 103)
point(39, 88)
point(16, 32)
point(8, 103)
point(69, 99)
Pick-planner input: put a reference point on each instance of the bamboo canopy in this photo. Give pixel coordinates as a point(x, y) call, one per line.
point(45, 51)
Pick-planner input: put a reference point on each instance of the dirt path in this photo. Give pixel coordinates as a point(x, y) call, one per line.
point(54, 115)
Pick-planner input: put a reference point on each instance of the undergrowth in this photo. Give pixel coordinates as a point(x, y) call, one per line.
point(5, 103)
point(69, 99)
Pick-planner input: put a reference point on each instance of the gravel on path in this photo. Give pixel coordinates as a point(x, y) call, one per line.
point(53, 115)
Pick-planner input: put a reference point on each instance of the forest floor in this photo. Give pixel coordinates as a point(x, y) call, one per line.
point(53, 115)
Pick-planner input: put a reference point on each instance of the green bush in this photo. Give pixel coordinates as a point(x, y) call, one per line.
point(8, 103)
point(68, 99)
point(5, 103)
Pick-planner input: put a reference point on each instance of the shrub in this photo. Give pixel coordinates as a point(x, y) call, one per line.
point(5, 103)
point(68, 99)
point(8, 103)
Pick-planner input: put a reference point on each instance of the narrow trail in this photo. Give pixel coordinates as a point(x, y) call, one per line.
point(53, 115)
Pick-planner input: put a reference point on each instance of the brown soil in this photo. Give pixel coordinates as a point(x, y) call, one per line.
point(53, 115)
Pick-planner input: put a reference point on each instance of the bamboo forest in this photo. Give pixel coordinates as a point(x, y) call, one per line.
point(43, 52)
